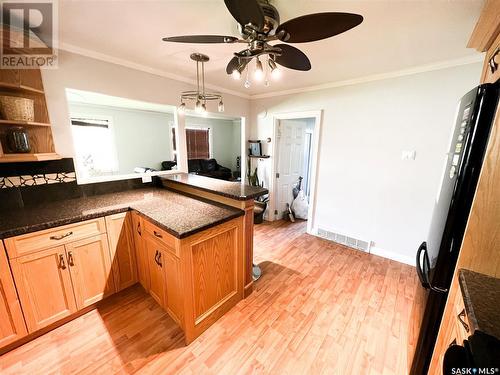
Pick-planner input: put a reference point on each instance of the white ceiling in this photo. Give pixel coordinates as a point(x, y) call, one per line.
point(395, 35)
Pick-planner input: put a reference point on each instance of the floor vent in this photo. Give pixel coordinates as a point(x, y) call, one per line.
point(355, 243)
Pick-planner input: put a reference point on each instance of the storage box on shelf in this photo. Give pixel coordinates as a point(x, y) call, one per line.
point(27, 83)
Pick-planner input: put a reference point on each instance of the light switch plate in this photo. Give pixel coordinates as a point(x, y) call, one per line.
point(408, 155)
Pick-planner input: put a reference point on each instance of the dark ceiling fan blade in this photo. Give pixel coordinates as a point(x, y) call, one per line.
point(246, 11)
point(201, 39)
point(317, 26)
point(292, 58)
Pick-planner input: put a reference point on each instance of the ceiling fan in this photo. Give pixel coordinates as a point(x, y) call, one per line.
point(259, 24)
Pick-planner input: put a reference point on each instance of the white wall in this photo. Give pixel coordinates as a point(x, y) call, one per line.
point(225, 147)
point(364, 189)
point(142, 138)
point(84, 73)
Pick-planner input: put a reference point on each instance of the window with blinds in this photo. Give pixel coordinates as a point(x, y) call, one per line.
point(198, 144)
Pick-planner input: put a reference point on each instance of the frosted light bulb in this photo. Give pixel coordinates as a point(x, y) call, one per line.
point(236, 74)
point(259, 72)
point(198, 108)
point(182, 108)
point(276, 73)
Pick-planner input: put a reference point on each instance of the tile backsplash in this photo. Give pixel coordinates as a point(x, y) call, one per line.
point(34, 184)
point(37, 179)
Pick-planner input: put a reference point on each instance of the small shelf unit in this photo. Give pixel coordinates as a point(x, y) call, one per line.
point(27, 83)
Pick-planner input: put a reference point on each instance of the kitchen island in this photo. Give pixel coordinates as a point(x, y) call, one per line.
point(234, 194)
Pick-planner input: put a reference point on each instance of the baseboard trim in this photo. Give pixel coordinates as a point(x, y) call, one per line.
point(393, 256)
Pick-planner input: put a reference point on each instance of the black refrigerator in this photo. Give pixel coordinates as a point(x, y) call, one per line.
point(436, 257)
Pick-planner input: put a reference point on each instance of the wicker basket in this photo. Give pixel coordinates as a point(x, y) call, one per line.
point(14, 108)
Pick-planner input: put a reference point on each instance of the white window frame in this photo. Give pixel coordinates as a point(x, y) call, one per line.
point(109, 119)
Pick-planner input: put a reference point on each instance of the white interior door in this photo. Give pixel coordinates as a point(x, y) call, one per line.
point(291, 146)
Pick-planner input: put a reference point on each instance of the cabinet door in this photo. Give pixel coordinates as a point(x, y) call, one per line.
point(156, 274)
point(44, 286)
point(173, 296)
point(12, 326)
point(90, 267)
point(140, 250)
point(121, 244)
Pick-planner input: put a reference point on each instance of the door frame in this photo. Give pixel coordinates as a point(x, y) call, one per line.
point(273, 185)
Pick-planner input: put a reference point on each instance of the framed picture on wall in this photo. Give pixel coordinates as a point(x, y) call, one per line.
point(255, 148)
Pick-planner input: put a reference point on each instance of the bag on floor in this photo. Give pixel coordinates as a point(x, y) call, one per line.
point(300, 206)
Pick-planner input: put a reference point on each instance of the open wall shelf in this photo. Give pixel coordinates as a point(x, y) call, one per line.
point(27, 83)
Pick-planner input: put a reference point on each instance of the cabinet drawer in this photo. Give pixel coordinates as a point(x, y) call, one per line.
point(45, 239)
point(161, 236)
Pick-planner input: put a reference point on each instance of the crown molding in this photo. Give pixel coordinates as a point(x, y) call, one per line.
point(377, 77)
point(478, 57)
point(143, 68)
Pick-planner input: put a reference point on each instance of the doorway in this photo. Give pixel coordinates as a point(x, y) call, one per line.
point(296, 149)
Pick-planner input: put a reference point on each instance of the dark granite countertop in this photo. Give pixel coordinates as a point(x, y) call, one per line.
point(229, 189)
point(481, 295)
point(178, 214)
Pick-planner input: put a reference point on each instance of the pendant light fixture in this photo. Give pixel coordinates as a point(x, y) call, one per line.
point(200, 96)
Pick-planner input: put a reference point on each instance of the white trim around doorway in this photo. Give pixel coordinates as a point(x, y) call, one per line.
point(318, 116)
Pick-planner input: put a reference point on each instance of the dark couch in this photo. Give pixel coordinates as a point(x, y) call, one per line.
point(209, 168)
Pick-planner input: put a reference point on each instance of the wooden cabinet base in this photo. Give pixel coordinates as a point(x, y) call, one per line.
point(195, 279)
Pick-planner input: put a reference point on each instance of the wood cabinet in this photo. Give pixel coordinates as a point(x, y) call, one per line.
point(195, 279)
point(44, 285)
point(121, 245)
point(140, 250)
point(90, 268)
point(157, 284)
point(56, 282)
point(174, 291)
point(12, 325)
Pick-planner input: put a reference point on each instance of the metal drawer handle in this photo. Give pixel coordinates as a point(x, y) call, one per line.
point(139, 229)
point(157, 234)
point(159, 260)
point(156, 257)
point(62, 264)
point(461, 318)
point(60, 237)
point(71, 261)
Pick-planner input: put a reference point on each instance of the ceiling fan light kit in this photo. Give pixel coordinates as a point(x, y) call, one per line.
point(200, 96)
point(259, 25)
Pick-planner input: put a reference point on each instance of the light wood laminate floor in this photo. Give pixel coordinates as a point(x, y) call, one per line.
point(318, 308)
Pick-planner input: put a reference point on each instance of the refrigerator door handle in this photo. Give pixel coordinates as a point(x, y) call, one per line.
point(423, 269)
point(420, 271)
